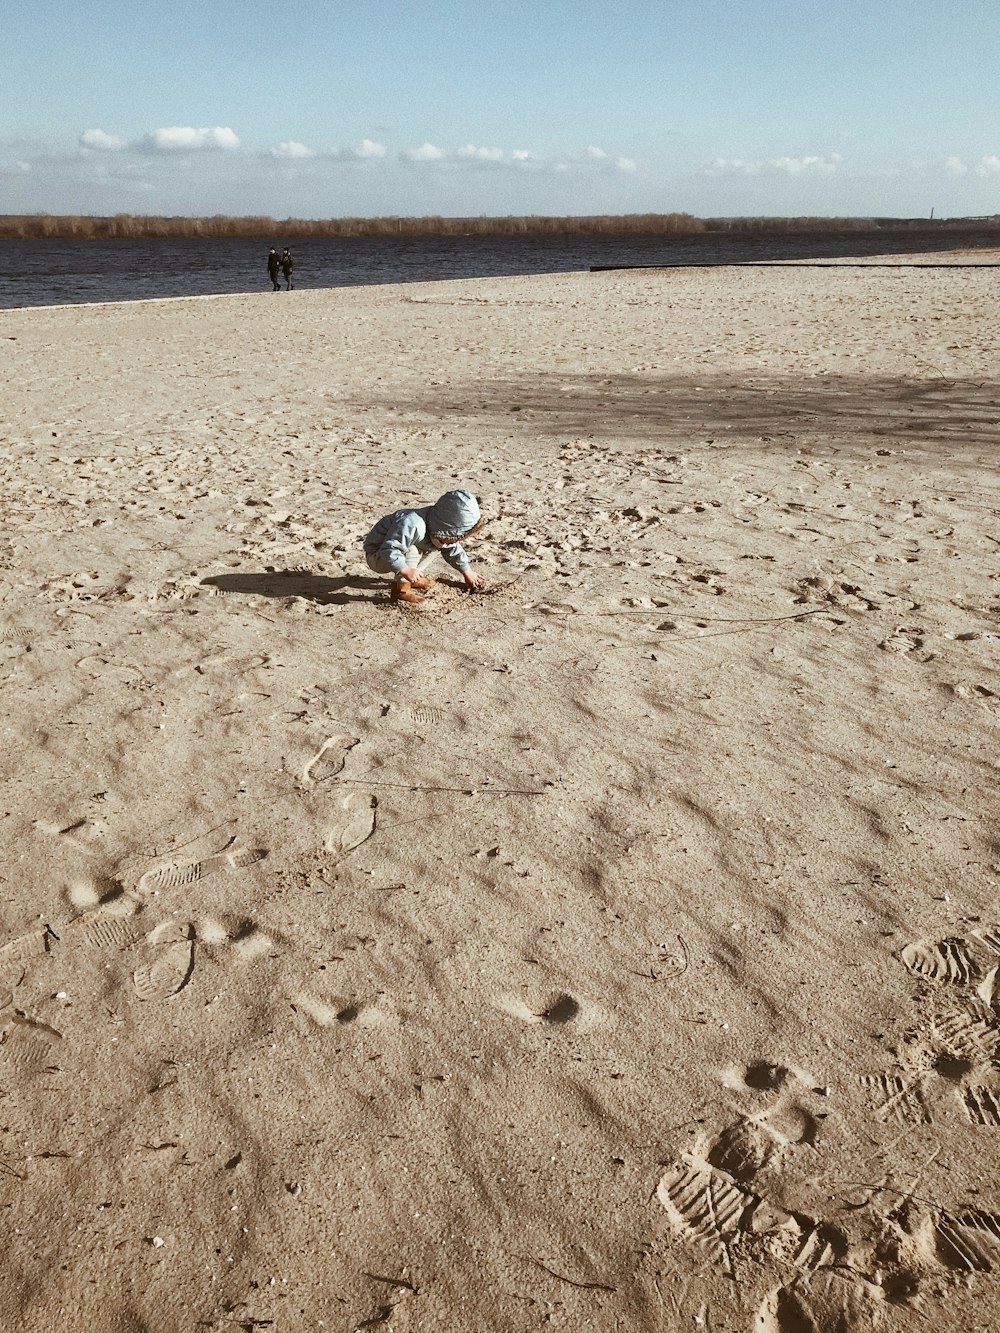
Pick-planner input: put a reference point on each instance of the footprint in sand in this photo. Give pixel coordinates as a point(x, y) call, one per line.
point(26, 947)
point(732, 1223)
point(828, 1300)
point(167, 964)
point(946, 961)
point(355, 822)
point(893, 1097)
point(329, 759)
point(707, 1207)
point(15, 959)
point(106, 917)
point(337, 1011)
point(967, 690)
point(959, 1039)
point(847, 596)
point(103, 929)
point(742, 1150)
point(956, 1041)
point(904, 639)
point(556, 1008)
point(709, 579)
point(763, 1076)
point(425, 715)
point(28, 1045)
point(982, 1105)
point(14, 635)
point(968, 1242)
point(243, 938)
point(174, 876)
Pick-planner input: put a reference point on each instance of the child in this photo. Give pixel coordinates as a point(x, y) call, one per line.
point(397, 542)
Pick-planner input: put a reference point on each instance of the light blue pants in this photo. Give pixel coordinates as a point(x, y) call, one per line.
point(414, 560)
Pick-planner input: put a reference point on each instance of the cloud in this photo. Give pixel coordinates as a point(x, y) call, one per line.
point(427, 152)
point(599, 157)
point(184, 139)
point(988, 165)
point(98, 142)
point(813, 165)
point(728, 166)
point(292, 148)
point(368, 150)
point(470, 156)
point(481, 154)
point(807, 166)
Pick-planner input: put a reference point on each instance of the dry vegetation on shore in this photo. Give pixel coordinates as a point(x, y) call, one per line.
point(128, 225)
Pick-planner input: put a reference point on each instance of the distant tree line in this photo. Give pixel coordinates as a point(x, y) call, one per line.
point(126, 225)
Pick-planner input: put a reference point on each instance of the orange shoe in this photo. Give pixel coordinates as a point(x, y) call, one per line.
point(402, 591)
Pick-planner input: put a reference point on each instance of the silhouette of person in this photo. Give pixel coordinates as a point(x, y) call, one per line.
point(273, 264)
point(287, 264)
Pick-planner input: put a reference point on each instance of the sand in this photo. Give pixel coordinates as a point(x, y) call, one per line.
point(612, 950)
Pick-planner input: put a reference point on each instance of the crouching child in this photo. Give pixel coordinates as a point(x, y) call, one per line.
point(404, 543)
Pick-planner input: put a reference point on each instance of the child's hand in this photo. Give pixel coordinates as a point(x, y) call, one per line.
point(473, 580)
point(414, 578)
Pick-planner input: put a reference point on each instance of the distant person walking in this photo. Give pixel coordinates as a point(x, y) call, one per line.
point(273, 265)
point(287, 264)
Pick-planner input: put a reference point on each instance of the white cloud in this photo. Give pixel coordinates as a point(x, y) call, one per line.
point(184, 138)
point(955, 166)
point(807, 166)
point(368, 150)
point(988, 166)
point(600, 158)
point(292, 148)
point(726, 166)
point(481, 154)
point(427, 152)
point(99, 142)
point(471, 155)
point(788, 166)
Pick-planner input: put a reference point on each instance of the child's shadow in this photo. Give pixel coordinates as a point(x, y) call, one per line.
point(300, 583)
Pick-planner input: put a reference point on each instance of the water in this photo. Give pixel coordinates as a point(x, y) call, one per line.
point(68, 272)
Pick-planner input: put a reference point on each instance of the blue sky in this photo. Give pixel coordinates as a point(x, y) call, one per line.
point(317, 108)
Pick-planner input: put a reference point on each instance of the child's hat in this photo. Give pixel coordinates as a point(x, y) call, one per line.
point(455, 513)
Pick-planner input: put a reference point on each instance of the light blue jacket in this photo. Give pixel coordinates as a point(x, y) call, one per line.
point(393, 536)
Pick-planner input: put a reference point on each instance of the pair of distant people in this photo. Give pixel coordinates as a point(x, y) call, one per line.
point(283, 265)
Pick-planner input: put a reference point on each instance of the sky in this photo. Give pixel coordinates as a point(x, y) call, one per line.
point(319, 108)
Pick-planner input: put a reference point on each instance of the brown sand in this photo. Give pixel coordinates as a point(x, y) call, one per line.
point(615, 950)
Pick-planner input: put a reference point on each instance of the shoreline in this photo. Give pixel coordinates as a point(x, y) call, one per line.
point(165, 269)
point(563, 953)
point(943, 260)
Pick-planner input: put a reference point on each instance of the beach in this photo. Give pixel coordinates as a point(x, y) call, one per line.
point(529, 958)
